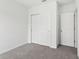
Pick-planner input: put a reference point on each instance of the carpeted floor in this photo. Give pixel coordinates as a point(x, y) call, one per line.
point(35, 51)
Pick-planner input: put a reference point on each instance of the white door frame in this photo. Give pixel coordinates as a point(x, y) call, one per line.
point(75, 28)
point(30, 30)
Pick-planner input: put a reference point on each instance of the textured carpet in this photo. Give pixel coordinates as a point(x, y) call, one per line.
point(35, 51)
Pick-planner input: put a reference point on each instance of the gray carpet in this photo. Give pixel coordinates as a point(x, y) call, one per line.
point(35, 51)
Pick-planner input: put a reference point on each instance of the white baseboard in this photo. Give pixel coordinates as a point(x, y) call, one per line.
point(2, 52)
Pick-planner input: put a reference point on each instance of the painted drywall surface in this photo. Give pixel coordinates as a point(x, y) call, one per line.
point(13, 25)
point(78, 34)
point(52, 9)
point(31, 3)
point(77, 6)
point(58, 24)
point(67, 7)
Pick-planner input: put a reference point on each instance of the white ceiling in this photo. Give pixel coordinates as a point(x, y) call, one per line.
point(65, 1)
point(30, 3)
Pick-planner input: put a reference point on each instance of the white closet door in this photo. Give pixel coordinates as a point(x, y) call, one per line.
point(41, 29)
point(67, 27)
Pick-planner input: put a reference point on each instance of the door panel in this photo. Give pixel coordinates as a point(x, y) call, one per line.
point(41, 30)
point(67, 27)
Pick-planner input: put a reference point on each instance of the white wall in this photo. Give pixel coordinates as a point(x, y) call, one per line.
point(13, 25)
point(67, 8)
point(51, 8)
point(77, 5)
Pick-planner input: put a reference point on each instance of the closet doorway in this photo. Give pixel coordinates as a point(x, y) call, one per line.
point(41, 29)
point(68, 29)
